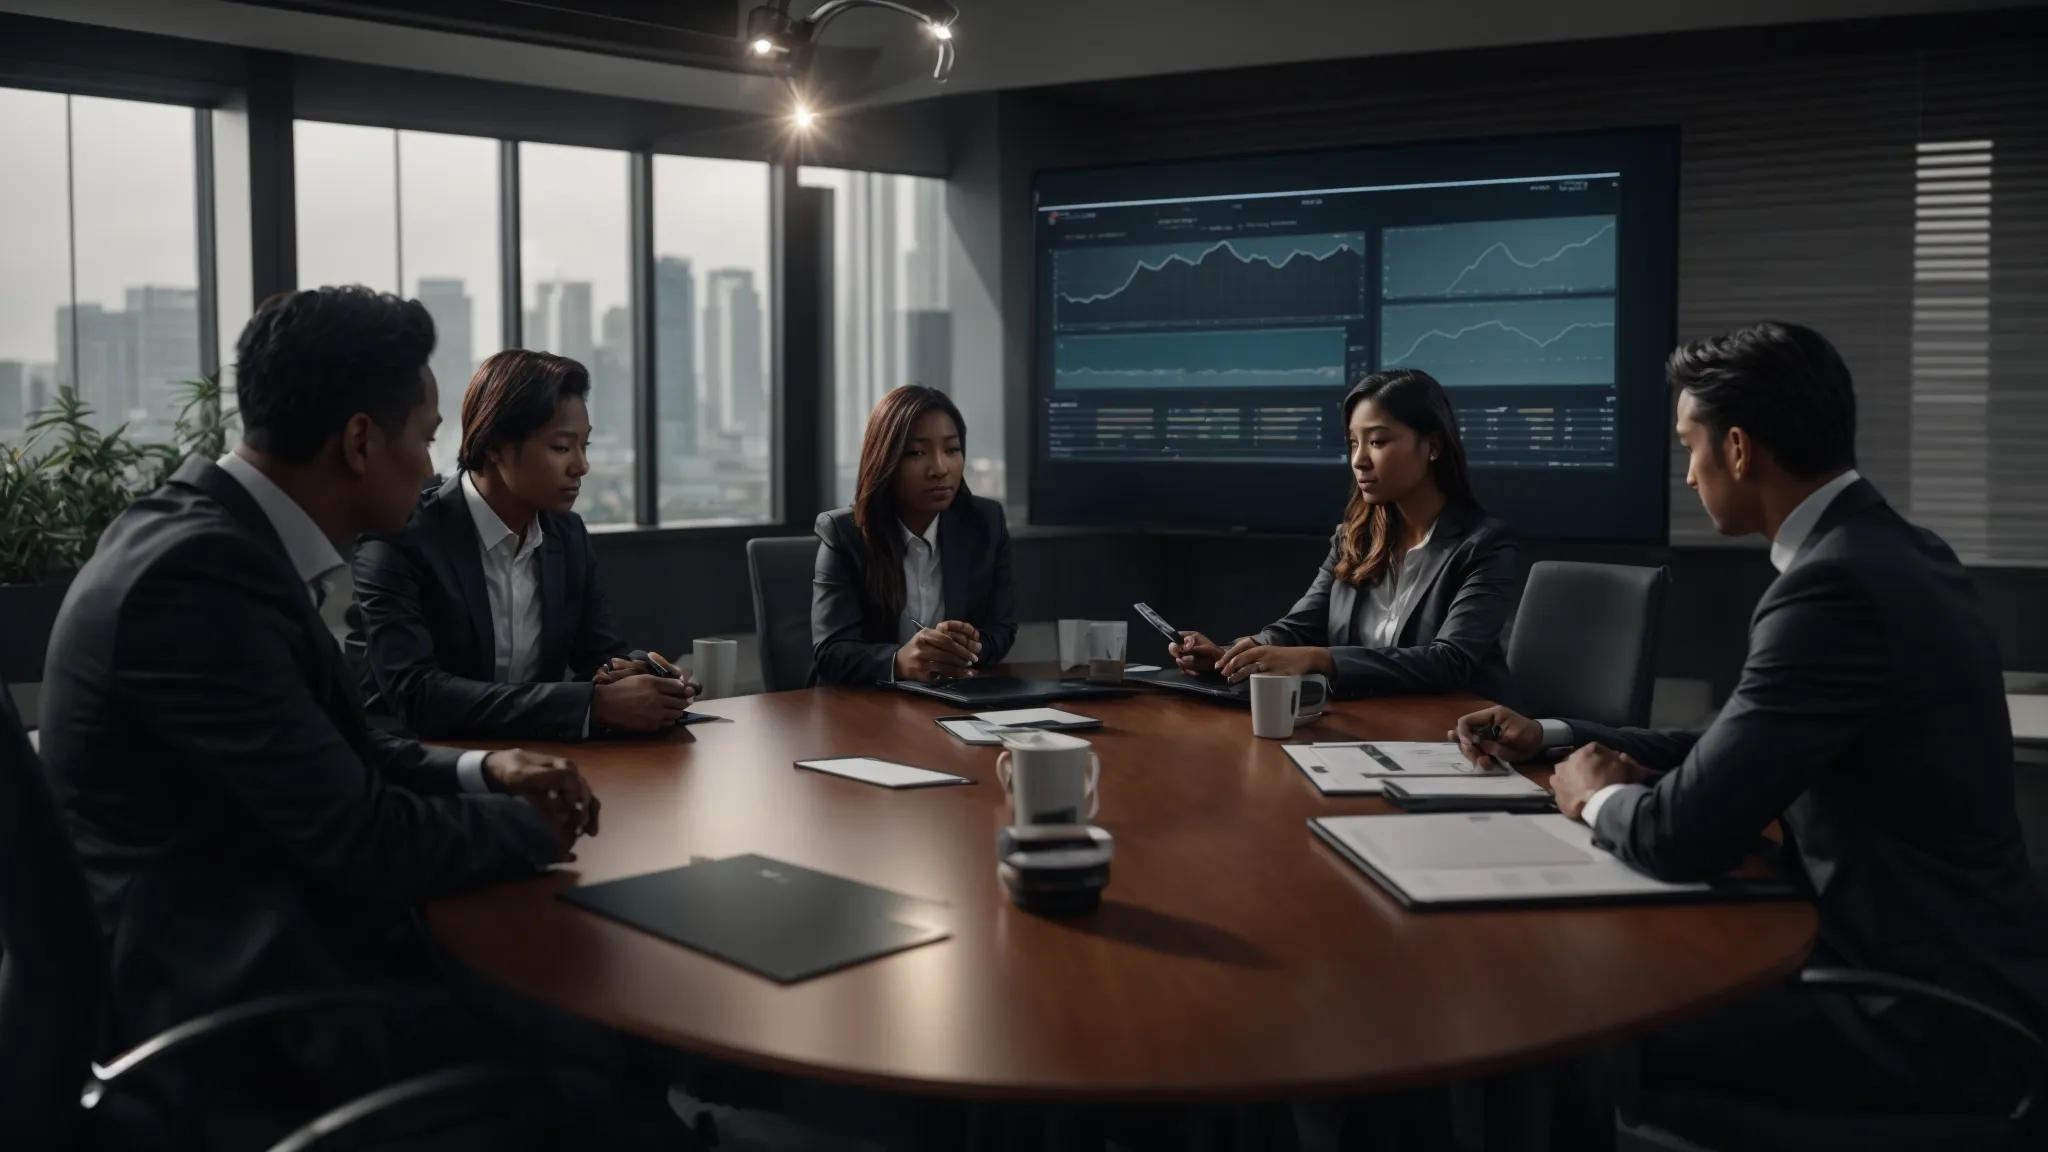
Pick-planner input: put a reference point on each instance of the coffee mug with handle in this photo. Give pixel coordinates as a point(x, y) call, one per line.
point(1280, 702)
point(1051, 777)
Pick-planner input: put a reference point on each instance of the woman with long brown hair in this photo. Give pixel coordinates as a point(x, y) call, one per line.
point(1420, 581)
point(913, 579)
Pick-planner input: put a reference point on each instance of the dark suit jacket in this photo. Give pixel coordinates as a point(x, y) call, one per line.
point(1870, 722)
point(849, 645)
point(425, 628)
point(1450, 636)
point(242, 830)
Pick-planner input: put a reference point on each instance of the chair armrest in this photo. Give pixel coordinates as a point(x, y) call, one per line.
point(1858, 982)
point(404, 1094)
point(228, 1021)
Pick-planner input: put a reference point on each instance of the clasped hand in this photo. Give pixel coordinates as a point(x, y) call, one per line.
point(948, 648)
point(553, 785)
point(631, 697)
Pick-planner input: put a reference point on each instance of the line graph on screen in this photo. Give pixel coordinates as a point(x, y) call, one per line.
point(1241, 279)
point(1565, 255)
point(1505, 342)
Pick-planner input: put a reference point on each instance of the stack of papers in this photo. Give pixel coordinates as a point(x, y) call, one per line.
point(1359, 769)
point(1480, 858)
point(1049, 719)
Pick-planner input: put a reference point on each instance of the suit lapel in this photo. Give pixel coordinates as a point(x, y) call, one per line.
point(554, 606)
point(1343, 603)
point(456, 532)
point(1452, 524)
point(956, 555)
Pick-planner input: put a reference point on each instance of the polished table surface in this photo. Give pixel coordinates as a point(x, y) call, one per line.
point(1234, 955)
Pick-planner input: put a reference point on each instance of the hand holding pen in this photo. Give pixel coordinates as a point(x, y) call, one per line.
point(937, 652)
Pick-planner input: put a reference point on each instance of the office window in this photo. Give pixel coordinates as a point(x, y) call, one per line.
point(712, 332)
point(574, 238)
point(908, 311)
point(101, 291)
point(414, 213)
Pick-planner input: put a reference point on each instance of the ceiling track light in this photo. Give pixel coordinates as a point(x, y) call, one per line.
point(786, 41)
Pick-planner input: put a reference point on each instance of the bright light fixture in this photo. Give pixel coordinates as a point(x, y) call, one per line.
point(763, 46)
point(804, 117)
point(941, 31)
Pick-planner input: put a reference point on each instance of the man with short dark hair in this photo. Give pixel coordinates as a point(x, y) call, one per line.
point(1869, 722)
point(244, 832)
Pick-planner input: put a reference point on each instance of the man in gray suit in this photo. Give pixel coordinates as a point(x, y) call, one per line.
point(1869, 722)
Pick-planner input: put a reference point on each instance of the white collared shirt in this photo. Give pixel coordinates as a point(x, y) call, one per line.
point(924, 586)
point(1784, 549)
point(314, 558)
point(1391, 593)
point(512, 579)
point(312, 554)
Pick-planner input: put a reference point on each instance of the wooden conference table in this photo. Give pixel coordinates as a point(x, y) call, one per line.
point(1234, 956)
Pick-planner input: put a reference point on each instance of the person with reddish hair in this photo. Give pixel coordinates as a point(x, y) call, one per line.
point(913, 579)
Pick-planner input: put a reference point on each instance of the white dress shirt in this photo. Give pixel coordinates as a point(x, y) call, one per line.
point(924, 585)
point(1784, 549)
point(1381, 612)
point(313, 557)
point(512, 581)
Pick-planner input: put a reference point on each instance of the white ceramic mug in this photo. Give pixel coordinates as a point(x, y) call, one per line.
point(1280, 702)
point(716, 665)
point(1051, 777)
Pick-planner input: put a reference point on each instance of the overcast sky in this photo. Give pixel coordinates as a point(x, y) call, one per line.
point(361, 202)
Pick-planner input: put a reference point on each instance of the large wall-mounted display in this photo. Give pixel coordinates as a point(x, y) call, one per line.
point(1199, 323)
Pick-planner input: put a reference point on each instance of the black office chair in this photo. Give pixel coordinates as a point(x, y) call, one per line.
point(1723, 1123)
point(1585, 640)
point(53, 989)
point(780, 568)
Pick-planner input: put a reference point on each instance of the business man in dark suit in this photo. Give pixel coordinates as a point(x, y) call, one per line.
point(470, 617)
point(913, 580)
point(243, 831)
point(1869, 722)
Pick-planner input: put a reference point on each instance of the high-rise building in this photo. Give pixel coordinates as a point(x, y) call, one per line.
point(454, 355)
point(675, 353)
point(13, 398)
point(96, 359)
point(166, 327)
point(611, 377)
point(732, 352)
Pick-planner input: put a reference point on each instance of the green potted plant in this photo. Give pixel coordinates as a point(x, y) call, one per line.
point(59, 489)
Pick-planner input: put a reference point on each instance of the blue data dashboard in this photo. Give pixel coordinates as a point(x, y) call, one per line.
point(1198, 325)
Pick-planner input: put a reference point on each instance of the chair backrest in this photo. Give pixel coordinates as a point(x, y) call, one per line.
point(781, 568)
point(52, 974)
point(1585, 642)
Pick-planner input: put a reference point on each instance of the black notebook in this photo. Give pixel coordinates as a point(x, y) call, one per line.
point(774, 919)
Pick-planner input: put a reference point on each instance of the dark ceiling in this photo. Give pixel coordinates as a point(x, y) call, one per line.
point(703, 33)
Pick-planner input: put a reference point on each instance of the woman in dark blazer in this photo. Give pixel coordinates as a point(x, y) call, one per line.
point(1420, 582)
point(484, 617)
point(913, 580)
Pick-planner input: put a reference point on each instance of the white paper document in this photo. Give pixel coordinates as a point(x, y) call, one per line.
point(887, 773)
point(1360, 769)
point(1050, 718)
point(1511, 784)
point(972, 731)
point(1453, 858)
